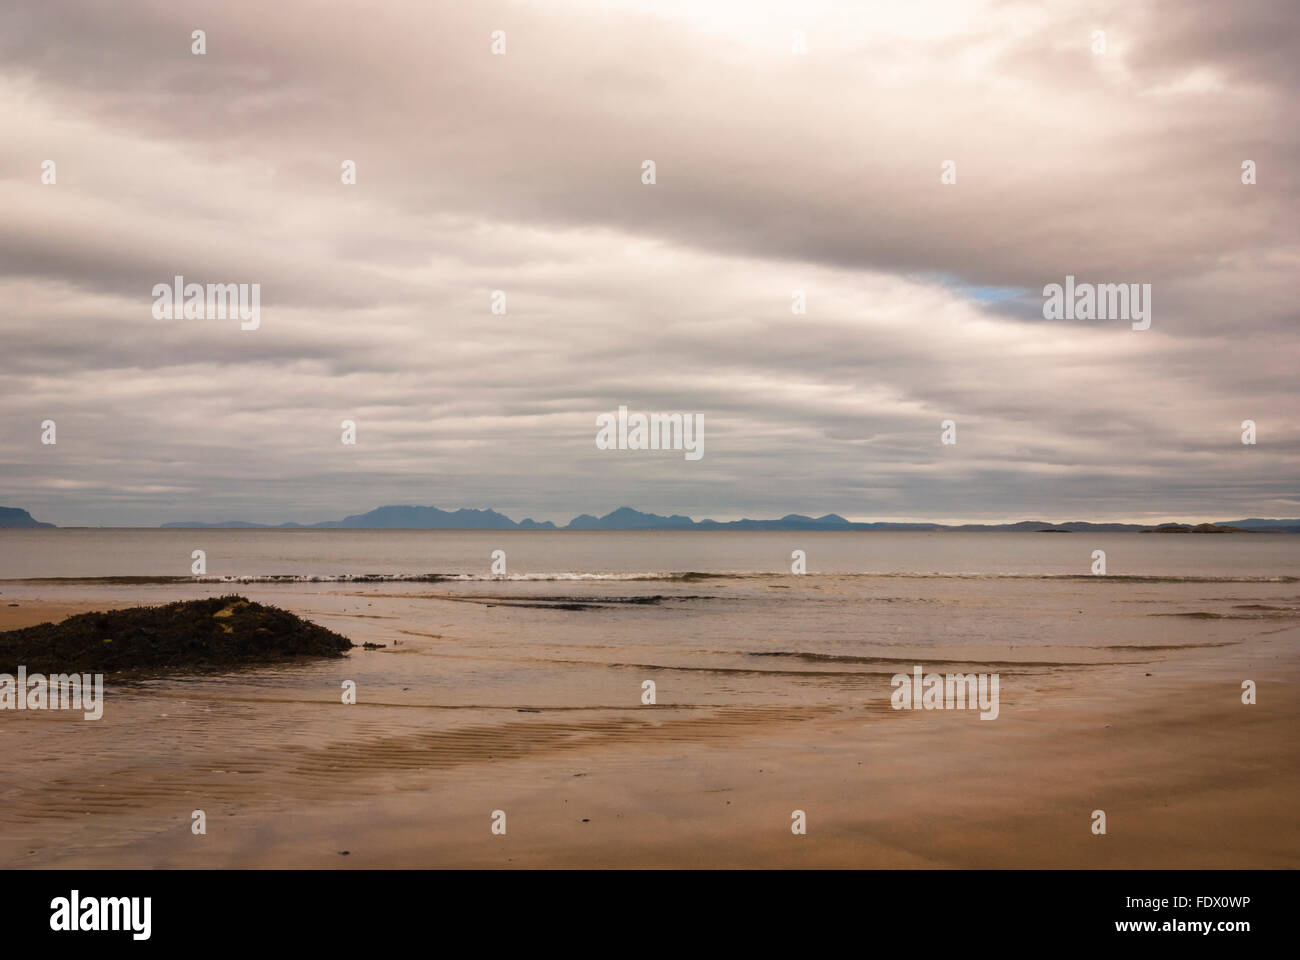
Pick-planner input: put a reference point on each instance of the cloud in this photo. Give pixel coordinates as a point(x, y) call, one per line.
point(521, 173)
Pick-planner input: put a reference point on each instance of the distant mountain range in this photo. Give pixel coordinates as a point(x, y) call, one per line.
point(626, 518)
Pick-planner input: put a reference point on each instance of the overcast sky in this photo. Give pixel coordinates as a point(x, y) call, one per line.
point(776, 172)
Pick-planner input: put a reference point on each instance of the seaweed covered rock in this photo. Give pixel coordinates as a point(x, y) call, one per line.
point(214, 632)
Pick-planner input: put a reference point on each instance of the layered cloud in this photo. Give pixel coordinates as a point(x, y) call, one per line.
point(776, 172)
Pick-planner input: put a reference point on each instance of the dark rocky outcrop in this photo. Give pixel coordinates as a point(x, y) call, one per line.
point(214, 632)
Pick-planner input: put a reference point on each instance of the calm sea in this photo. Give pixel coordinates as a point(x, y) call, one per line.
point(617, 554)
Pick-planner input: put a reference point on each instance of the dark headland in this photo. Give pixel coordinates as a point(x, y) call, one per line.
point(14, 517)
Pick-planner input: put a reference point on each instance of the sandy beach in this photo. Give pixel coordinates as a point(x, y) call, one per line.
point(524, 697)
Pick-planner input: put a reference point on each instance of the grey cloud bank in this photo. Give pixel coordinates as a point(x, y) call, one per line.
point(776, 173)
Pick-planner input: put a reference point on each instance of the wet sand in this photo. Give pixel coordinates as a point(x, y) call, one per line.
point(501, 698)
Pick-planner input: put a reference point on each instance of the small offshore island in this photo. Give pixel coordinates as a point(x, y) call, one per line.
point(1199, 528)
